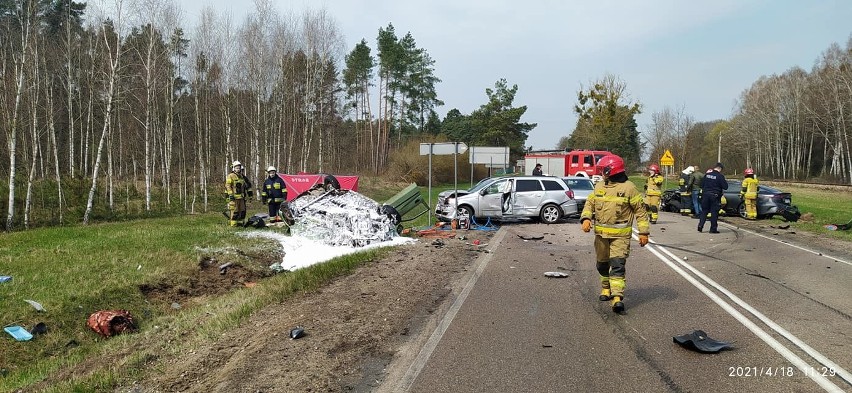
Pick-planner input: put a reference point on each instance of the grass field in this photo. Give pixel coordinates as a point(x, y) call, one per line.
point(74, 271)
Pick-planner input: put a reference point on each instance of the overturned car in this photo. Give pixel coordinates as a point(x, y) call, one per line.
point(339, 217)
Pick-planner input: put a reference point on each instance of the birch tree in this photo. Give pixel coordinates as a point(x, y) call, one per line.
point(25, 19)
point(111, 35)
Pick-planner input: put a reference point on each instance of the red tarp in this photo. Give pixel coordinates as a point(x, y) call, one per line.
point(297, 184)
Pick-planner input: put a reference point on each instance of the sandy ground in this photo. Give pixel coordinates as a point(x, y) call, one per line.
point(353, 328)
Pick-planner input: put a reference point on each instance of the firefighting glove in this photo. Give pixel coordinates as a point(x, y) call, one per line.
point(643, 240)
point(587, 225)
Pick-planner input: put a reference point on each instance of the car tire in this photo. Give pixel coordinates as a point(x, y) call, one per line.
point(466, 211)
point(674, 206)
point(391, 213)
point(330, 183)
point(741, 210)
point(550, 213)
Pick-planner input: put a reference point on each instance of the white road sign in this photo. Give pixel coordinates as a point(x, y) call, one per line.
point(442, 148)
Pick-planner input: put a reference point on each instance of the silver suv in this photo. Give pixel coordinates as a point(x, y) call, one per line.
point(544, 197)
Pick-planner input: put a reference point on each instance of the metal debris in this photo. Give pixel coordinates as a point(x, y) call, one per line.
point(35, 304)
point(297, 332)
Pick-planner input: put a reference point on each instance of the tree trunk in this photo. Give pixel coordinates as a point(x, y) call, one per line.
point(53, 141)
point(12, 140)
point(112, 76)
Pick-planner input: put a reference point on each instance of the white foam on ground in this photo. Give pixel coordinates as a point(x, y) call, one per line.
point(300, 252)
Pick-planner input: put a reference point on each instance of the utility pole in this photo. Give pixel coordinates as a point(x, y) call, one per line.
point(719, 154)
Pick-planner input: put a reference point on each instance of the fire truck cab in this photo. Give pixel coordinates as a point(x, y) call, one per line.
point(567, 163)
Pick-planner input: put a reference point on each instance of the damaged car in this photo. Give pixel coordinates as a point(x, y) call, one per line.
point(545, 198)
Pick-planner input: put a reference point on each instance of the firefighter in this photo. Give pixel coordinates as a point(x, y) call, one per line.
point(652, 191)
point(273, 194)
point(613, 206)
point(238, 190)
point(685, 191)
point(748, 194)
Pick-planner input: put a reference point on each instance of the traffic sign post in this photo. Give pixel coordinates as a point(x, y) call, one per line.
point(666, 161)
point(443, 148)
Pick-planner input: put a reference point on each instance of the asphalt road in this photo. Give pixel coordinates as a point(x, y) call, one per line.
point(786, 308)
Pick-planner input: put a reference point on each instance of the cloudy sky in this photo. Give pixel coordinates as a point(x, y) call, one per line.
point(699, 55)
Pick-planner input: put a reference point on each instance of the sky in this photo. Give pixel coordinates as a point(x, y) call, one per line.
point(692, 55)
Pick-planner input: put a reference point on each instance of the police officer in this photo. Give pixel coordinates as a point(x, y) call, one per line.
point(238, 190)
point(613, 206)
point(274, 193)
point(748, 194)
point(713, 187)
point(652, 191)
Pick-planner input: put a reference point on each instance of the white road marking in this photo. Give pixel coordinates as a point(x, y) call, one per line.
point(760, 333)
point(789, 244)
point(426, 352)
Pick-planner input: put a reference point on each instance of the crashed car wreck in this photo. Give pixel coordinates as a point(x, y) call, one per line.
point(339, 217)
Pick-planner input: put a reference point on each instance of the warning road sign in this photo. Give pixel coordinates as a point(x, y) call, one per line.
point(667, 159)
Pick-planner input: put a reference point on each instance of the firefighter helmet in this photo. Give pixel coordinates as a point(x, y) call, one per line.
point(271, 168)
point(611, 165)
point(235, 163)
point(748, 171)
point(654, 168)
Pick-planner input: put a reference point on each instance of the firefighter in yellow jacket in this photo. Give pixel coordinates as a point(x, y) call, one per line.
point(237, 190)
point(612, 207)
point(653, 192)
point(749, 194)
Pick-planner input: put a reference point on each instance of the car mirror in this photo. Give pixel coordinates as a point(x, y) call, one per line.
point(483, 191)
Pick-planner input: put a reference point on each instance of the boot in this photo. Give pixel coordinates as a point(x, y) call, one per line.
point(617, 304)
point(605, 294)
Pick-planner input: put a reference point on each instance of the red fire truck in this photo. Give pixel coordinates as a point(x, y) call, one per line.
point(566, 163)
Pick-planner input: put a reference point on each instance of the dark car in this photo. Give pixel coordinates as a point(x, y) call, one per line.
point(770, 201)
point(582, 187)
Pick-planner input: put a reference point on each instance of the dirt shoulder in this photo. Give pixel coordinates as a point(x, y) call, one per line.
point(354, 327)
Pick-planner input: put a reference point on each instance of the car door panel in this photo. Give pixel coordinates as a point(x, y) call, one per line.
point(528, 196)
point(490, 203)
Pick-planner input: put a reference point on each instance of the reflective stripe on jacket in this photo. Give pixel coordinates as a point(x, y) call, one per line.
point(652, 186)
point(274, 189)
point(236, 185)
point(749, 188)
point(613, 207)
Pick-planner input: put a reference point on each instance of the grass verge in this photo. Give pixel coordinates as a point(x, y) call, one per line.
point(74, 271)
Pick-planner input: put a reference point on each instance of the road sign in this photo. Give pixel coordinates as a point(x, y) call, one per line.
point(442, 148)
point(489, 155)
point(667, 159)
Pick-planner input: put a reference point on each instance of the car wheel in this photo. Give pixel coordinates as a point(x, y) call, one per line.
point(391, 213)
point(550, 213)
point(466, 211)
point(674, 206)
point(741, 210)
